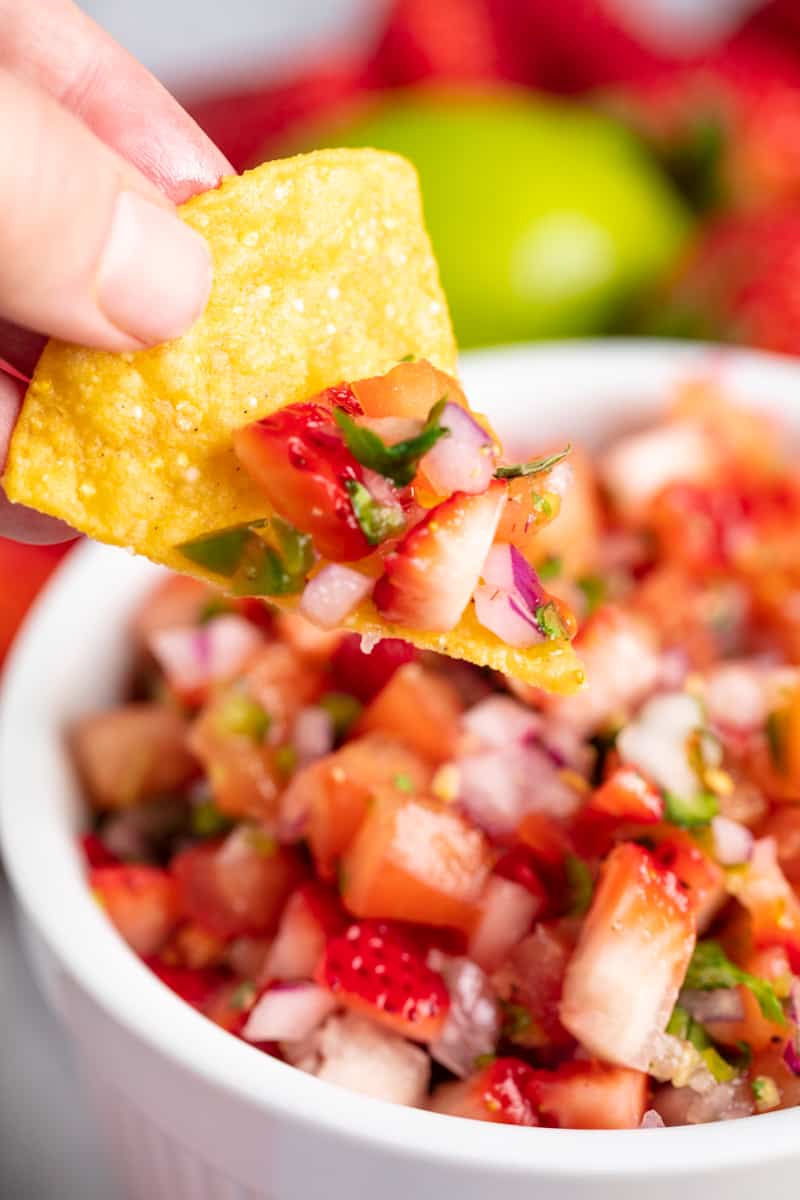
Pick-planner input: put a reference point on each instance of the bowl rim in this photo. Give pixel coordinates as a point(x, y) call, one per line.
point(87, 947)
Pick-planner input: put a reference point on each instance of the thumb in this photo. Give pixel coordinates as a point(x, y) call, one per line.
point(90, 251)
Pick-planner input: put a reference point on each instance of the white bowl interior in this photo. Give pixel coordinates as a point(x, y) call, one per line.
point(71, 657)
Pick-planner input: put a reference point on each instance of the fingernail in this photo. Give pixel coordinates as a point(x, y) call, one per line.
point(155, 272)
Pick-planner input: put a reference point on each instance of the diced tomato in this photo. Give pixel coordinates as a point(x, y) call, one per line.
point(698, 874)
point(307, 640)
point(635, 945)
point(230, 1005)
point(141, 901)
point(376, 969)
point(498, 1093)
point(629, 795)
point(244, 776)
point(95, 851)
point(28, 567)
point(532, 979)
point(770, 1063)
point(588, 1095)
point(545, 837)
point(409, 390)
point(415, 860)
point(195, 985)
point(283, 682)
point(236, 887)
point(418, 708)
point(754, 1028)
point(571, 536)
point(431, 575)
point(774, 908)
point(783, 826)
point(299, 459)
point(131, 754)
point(335, 791)
point(362, 674)
point(506, 912)
point(194, 946)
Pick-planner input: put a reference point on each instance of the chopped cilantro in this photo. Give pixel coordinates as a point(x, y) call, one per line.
point(548, 618)
point(580, 885)
point(765, 1093)
point(377, 521)
point(286, 760)
point(403, 783)
point(550, 568)
point(207, 821)
point(690, 811)
point(516, 1020)
point(244, 995)
point(711, 968)
point(536, 466)
point(238, 713)
point(343, 710)
point(398, 462)
point(406, 358)
point(594, 590)
point(682, 1025)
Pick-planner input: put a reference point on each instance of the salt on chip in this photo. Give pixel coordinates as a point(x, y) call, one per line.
point(323, 272)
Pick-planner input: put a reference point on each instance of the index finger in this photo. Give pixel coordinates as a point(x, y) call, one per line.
point(57, 47)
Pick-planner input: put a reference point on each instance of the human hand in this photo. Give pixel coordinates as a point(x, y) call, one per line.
point(94, 153)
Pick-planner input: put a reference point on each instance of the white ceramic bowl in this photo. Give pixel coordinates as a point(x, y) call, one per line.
point(195, 1114)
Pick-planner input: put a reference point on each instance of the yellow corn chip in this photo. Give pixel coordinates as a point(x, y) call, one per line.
point(323, 272)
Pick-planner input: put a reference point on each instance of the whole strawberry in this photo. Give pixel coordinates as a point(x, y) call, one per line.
point(740, 283)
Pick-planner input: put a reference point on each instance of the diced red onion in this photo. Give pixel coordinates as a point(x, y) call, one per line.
point(719, 1004)
point(288, 1012)
point(656, 741)
point(791, 1057)
point(473, 1021)
point(463, 460)
point(498, 721)
point(313, 735)
point(298, 945)
point(735, 698)
point(507, 912)
point(497, 788)
point(498, 568)
point(498, 612)
point(651, 1120)
point(791, 1053)
point(192, 657)
point(333, 593)
point(733, 842)
point(794, 1001)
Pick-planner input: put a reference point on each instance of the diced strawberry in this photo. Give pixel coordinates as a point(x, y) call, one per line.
point(95, 851)
point(238, 886)
point(431, 575)
point(630, 796)
point(141, 901)
point(409, 390)
point(773, 905)
point(193, 946)
point(334, 792)
point(623, 979)
point(586, 1095)
point(195, 658)
point(362, 674)
point(299, 459)
point(532, 980)
point(498, 1093)
point(307, 640)
point(519, 865)
point(415, 859)
point(133, 753)
point(545, 837)
point(420, 709)
point(507, 911)
point(229, 1005)
point(195, 985)
point(311, 916)
point(375, 969)
point(783, 825)
point(698, 874)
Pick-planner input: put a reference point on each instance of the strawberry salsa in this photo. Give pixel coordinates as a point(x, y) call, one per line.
point(441, 887)
point(396, 475)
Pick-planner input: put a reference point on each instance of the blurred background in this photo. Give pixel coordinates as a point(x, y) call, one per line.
point(589, 168)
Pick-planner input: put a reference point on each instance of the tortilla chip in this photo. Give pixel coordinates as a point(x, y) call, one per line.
point(323, 272)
